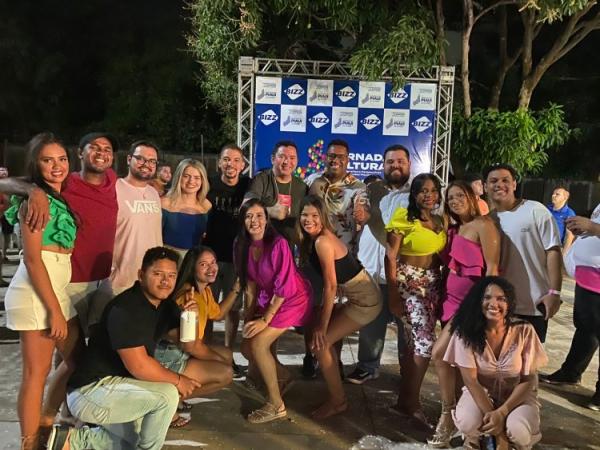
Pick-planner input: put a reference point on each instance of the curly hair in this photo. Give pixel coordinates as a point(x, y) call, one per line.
point(469, 323)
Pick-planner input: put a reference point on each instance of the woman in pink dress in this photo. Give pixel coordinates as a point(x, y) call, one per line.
point(278, 297)
point(498, 357)
point(472, 251)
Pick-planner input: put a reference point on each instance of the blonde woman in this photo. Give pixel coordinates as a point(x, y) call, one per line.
point(185, 207)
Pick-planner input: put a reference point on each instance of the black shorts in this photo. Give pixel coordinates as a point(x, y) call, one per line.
point(7, 228)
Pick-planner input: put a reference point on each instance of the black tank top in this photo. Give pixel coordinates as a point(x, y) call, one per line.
point(346, 268)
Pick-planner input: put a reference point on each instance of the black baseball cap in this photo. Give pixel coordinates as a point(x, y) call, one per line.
point(85, 140)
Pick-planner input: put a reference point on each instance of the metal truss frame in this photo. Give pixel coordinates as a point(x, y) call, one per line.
point(249, 68)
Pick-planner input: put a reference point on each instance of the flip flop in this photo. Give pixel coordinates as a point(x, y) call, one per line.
point(180, 421)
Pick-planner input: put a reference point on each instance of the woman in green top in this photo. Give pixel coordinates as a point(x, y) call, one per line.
point(36, 302)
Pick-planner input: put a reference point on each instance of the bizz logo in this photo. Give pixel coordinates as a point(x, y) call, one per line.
point(346, 93)
point(421, 124)
point(319, 120)
point(268, 117)
point(294, 92)
point(370, 122)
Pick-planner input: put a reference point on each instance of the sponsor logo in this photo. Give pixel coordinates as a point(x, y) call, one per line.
point(319, 120)
point(397, 96)
point(295, 91)
point(293, 120)
point(344, 123)
point(370, 98)
point(423, 100)
point(345, 94)
point(370, 122)
point(268, 117)
point(422, 124)
point(395, 122)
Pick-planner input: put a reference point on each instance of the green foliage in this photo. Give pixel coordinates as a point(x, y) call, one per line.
point(555, 10)
point(521, 138)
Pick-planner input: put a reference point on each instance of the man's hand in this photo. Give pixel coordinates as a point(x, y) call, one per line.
point(552, 305)
point(361, 214)
point(186, 386)
point(38, 210)
point(190, 304)
point(395, 301)
point(579, 225)
point(278, 211)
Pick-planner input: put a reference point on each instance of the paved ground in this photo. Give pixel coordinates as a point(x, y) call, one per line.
point(218, 422)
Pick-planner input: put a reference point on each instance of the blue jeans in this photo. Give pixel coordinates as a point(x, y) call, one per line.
point(131, 414)
point(372, 336)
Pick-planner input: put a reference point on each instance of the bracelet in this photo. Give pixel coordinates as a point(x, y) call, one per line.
point(553, 292)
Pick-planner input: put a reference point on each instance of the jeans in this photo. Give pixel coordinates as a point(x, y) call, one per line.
point(131, 414)
point(586, 318)
point(372, 336)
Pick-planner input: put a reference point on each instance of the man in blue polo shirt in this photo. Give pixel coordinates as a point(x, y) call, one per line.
point(561, 212)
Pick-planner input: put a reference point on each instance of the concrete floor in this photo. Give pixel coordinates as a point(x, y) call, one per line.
point(218, 422)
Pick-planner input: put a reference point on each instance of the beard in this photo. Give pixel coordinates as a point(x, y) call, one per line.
point(396, 177)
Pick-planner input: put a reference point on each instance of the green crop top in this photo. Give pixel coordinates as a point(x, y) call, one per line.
point(60, 229)
point(418, 240)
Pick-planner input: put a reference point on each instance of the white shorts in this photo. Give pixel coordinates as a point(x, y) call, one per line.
point(24, 308)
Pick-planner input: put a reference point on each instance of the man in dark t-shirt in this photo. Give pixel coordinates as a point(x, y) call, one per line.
point(119, 385)
point(226, 195)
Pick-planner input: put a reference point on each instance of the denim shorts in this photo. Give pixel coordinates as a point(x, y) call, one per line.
point(170, 356)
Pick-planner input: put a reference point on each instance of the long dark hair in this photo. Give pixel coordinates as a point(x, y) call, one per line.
point(305, 239)
point(187, 271)
point(469, 323)
point(33, 148)
point(471, 200)
point(241, 245)
point(414, 213)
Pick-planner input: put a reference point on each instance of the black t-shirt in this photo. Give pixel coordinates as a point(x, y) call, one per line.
point(223, 219)
point(128, 321)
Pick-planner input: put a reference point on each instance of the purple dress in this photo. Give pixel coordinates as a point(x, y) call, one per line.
point(467, 266)
point(275, 273)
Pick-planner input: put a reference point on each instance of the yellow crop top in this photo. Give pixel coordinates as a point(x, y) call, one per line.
point(418, 240)
point(208, 308)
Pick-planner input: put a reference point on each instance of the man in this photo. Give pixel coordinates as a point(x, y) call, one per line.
point(338, 188)
point(139, 220)
point(118, 384)
point(530, 256)
point(280, 190)
point(474, 180)
point(226, 195)
point(583, 263)
point(383, 199)
point(91, 195)
point(162, 182)
point(561, 212)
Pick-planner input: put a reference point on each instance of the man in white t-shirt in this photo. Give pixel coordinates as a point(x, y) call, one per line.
point(531, 257)
point(139, 220)
point(383, 197)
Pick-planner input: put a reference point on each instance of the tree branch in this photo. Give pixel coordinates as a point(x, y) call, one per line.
point(484, 11)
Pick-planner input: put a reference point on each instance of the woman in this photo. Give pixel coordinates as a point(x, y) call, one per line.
point(330, 258)
point(278, 297)
point(198, 271)
point(472, 251)
point(498, 358)
point(36, 302)
point(415, 235)
point(185, 207)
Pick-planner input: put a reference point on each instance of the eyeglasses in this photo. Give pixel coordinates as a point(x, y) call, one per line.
point(141, 160)
point(334, 156)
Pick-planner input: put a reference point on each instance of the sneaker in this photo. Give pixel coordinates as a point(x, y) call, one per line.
point(58, 437)
point(594, 402)
point(238, 372)
point(359, 376)
point(309, 366)
point(559, 377)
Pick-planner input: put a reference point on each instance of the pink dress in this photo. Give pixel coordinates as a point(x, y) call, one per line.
point(467, 266)
point(275, 273)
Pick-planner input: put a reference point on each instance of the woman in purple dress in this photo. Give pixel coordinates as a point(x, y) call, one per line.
point(278, 297)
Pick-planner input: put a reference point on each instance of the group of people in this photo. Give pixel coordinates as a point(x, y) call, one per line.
point(117, 260)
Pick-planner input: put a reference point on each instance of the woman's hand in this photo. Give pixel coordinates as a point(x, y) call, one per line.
point(493, 422)
point(395, 302)
point(189, 302)
point(253, 327)
point(319, 338)
point(58, 326)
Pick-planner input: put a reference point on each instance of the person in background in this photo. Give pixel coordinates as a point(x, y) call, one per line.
point(476, 183)
point(498, 357)
point(582, 262)
point(185, 207)
point(278, 297)
point(198, 270)
point(162, 182)
point(339, 269)
point(7, 228)
point(36, 302)
point(472, 251)
point(561, 212)
point(415, 236)
point(227, 190)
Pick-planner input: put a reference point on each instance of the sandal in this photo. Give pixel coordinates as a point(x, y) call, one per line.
point(444, 431)
point(267, 413)
point(180, 421)
point(184, 406)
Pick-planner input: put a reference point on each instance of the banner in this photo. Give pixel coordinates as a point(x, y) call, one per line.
point(369, 116)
